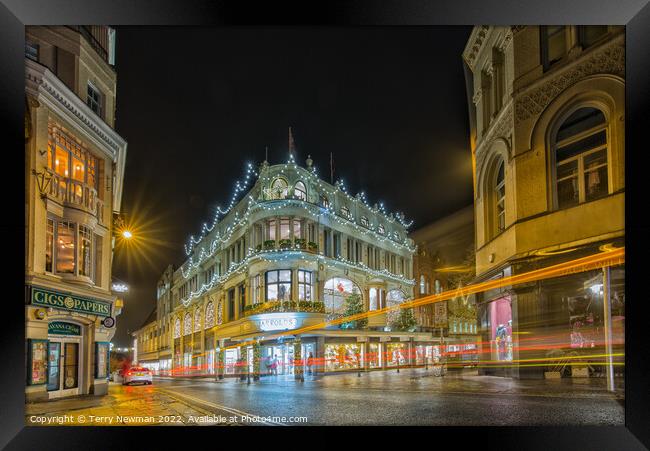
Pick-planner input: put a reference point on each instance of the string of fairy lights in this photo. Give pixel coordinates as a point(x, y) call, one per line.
point(241, 186)
point(275, 255)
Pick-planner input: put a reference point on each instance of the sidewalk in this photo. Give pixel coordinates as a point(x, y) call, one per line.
point(123, 406)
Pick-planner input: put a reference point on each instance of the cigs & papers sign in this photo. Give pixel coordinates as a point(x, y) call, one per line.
point(63, 301)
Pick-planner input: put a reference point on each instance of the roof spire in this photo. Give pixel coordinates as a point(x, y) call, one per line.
point(292, 144)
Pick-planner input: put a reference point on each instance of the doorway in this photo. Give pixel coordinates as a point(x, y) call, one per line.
point(63, 365)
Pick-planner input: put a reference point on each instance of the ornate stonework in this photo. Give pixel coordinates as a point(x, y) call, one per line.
point(475, 44)
point(607, 60)
point(502, 129)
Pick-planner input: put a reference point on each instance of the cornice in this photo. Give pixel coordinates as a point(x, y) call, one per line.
point(474, 44)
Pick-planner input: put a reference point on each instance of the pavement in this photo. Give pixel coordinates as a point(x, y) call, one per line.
point(135, 405)
point(410, 397)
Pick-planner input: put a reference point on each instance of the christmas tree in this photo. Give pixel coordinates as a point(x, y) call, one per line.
point(405, 321)
point(354, 305)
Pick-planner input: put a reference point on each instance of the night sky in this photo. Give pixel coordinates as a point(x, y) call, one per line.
point(197, 104)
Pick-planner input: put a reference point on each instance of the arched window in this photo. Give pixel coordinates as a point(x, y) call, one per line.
point(345, 212)
point(209, 315)
point(500, 198)
point(336, 290)
point(279, 189)
point(197, 320)
point(187, 326)
point(177, 328)
point(364, 221)
point(300, 191)
point(423, 284)
point(437, 287)
point(580, 148)
point(393, 298)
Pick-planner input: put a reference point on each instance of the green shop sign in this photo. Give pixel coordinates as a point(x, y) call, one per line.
point(63, 301)
point(61, 328)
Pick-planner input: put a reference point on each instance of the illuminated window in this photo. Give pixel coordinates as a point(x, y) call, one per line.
point(85, 251)
point(284, 229)
point(209, 315)
point(423, 285)
point(373, 303)
point(70, 160)
point(304, 285)
point(279, 189)
point(278, 285)
point(336, 290)
point(257, 289)
point(197, 320)
point(66, 244)
point(49, 245)
point(437, 287)
point(94, 100)
point(187, 324)
point(581, 158)
point(393, 298)
point(270, 229)
point(297, 228)
point(300, 191)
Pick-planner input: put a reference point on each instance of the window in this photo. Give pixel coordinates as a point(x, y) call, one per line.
point(70, 160)
point(374, 299)
point(345, 212)
point(257, 293)
point(177, 328)
point(364, 221)
point(327, 240)
point(66, 244)
point(85, 251)
point(94, 100)
point(231, 304)
point(304, 285)
point(284, 229)
point(31, 50)
point(49, 245)
point(553, 44)
point(437, 287)
point(270, 229)
point(300, 191)
point(187, 324)
point(423, 285)
point(336, 291)
point(297, 228)
point(279, 188)
point(324, 201)
point(393, 298)
point(350, 249)
point(500, 198)
point(581, 158)
point(197, 320)
point(278, 285)
point(588, 35)
point(242, 297)
point(337, 245)
point(358, 252)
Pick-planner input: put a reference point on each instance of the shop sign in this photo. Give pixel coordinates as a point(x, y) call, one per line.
point(63, 301)
point(440, 314)
point(267, 324)
point(63, 328)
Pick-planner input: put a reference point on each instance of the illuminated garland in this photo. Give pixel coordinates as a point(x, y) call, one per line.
point(241, 187)
point(275, 255)
point(273, 205)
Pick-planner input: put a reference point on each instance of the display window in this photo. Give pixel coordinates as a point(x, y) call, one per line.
point(374, 355)
point(501, 329)
point(396, 354)
point(343, 356)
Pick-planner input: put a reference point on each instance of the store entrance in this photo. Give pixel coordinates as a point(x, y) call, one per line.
point(63, 366)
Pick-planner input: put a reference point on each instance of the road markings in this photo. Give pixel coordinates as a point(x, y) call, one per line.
point(219, 406)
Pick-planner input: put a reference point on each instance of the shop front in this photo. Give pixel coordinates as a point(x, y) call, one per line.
point(67, 352)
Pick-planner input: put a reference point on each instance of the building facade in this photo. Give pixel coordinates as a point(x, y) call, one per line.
point(294, 253)
point(444, 261)
point(547, 114)
point(74, 168)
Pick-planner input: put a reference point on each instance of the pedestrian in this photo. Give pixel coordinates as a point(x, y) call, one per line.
point(310, 362)
point(268, 363)
point(274, 365)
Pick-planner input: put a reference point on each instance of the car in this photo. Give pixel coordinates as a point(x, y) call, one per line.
point(137, 374)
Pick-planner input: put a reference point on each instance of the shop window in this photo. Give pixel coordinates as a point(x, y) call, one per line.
point(343, 356)
point(396, 354)
point(500, 313)
point(304, 285)
point(581, 158)
point(278, 285)
point(336, 290)
point(300, 191)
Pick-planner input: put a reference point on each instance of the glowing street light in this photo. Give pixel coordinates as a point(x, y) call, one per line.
point(127, 234)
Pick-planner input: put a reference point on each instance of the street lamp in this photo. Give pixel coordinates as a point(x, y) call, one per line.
point(127, 234)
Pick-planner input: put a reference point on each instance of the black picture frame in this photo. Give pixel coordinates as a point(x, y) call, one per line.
point(635, 14)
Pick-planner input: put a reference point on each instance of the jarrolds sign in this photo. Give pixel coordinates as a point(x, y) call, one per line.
point(46, 298)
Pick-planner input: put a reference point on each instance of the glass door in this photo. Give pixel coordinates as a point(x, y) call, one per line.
point(53, 361)
point(71, 366)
